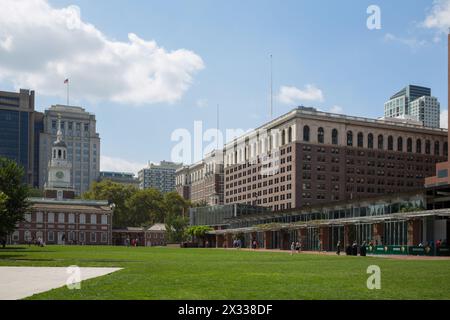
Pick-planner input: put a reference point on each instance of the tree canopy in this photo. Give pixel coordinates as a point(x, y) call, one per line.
point(142, 208)
point(13, 197)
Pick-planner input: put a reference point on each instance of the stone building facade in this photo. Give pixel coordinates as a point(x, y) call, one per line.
point(202, 182)
point(308, 157)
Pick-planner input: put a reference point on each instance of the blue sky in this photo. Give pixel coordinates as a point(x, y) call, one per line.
point(322, 44)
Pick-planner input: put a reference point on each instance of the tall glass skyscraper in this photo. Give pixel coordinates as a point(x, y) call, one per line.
point(18, 131)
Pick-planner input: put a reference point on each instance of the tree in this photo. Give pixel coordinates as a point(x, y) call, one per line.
point(115, 193)
point(176, 226)
point(199, 232)
point(146, 207)
point(176, 216)
point(14, 201)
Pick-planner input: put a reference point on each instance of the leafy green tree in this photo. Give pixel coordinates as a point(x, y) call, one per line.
point(176, 216)
point(176, 226)
point(146, 207)
point(115, 193)
point(199, 232)
point(14, 194)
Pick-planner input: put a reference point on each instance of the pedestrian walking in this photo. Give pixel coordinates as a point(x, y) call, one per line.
point(338, 248)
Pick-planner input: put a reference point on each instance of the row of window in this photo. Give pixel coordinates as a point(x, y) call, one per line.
point(60, 237)
point(70, 125)
point(380, 141)
point(61, 218)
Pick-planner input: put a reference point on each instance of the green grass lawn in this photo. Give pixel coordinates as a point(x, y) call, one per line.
point(172, 273)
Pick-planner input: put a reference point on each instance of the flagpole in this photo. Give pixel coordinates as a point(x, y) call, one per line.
point(67, 92)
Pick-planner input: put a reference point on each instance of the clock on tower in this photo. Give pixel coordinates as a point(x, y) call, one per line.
point(59, 170)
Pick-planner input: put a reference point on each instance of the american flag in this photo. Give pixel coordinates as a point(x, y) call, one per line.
point(66, 81)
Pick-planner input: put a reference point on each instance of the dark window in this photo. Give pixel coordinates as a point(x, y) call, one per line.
point(306, 133)
point(419, 146)
point(320, 135)
point(283, 137)
point(289, 135)
point(380, 142)
point(445, 149)
point(436, 148)
point(390, 143)
point(334, 136)
point(427, 147)
point(400, 144)
point(409, 145)
point(349, 138)
point(360, 140)
point(370, 141)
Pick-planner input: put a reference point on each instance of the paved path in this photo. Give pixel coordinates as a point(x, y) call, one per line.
point(20, 282)
point(389, 256)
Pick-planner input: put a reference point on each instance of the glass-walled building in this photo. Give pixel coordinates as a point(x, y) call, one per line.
point(396, 220)
point(18, 131)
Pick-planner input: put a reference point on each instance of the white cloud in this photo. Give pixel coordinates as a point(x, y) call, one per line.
point(40, 46)
point(336, 109)
point(444, 119)
point(119, 165)
point(294, 95)
point(413, 43)
point(439, 16)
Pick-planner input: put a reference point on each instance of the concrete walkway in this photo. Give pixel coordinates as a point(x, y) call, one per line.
point(21, 282)
point(331, 253)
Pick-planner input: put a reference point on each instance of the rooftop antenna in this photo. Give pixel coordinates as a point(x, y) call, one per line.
point(271, 88)
point(217, 127)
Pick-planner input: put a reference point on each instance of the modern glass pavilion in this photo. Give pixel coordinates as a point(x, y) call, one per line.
point(397, 220)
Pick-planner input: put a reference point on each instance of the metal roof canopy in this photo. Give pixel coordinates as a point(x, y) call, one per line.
point(339, 222)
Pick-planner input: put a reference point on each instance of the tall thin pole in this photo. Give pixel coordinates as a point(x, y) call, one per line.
point(271, 88)
point(217, 126)
point(68, 92)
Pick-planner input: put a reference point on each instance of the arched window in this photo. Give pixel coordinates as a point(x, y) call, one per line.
point(380, 142)
point(419, 146)
point(360, 140)
point(64, 155)
point(306, 133)
point(289, 135)
point(59, 153)
point(400, 144)
point(320, 135)
point(283, 137)
point(427, 146)
point(349, 138)
point(445, 149)
point(409, 145)
point(334, 136)
point(436, 148)
point(54, 154)
point(370, 141)
point(390, 143)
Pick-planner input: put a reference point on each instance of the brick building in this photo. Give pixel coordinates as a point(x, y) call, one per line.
point(202, 182)
point(308, 157)
point(59, 218)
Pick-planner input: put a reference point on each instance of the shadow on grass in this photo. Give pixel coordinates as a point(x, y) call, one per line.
point(15, 258)
point(23, 250)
